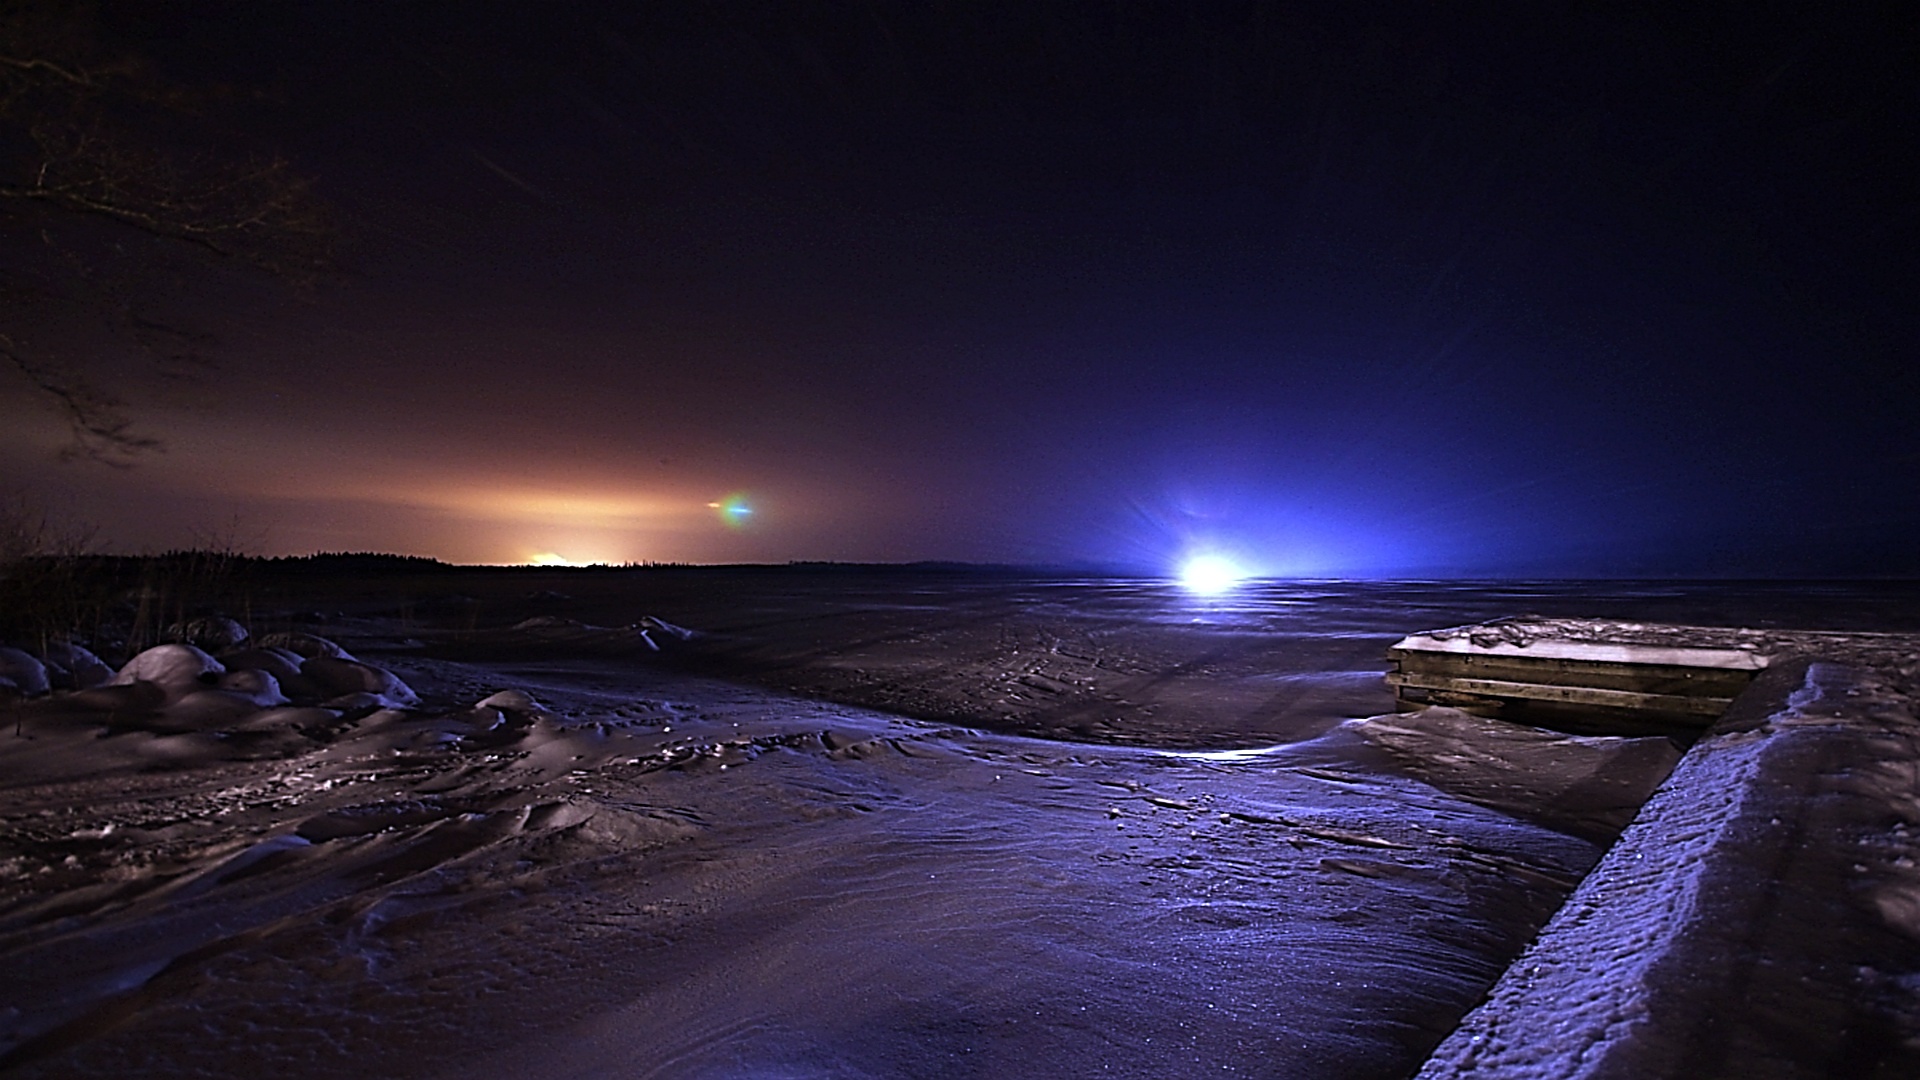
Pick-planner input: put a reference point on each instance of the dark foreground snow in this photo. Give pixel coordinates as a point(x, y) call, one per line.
point(657, 875)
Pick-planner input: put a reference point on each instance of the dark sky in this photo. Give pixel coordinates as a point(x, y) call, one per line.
point(1333, 289)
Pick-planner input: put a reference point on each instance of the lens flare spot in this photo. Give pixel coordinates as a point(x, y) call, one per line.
point(1210, 575)
point(734, 510)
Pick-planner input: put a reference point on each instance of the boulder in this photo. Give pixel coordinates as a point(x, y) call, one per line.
point(255, 685)
point(73, 667)
point(23, 672)
point(117, 701)
point(214, 633)
point(282, 664)
point(176, 669)
point(210, 709)
point(336, 678)
point(305, 646)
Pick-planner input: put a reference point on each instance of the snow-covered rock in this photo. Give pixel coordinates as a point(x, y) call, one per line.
point(279, 663)
point(510, 701)
point(214, 633)
point(210, 708)
point(336, 678)
point(505, 708)
point(305, 646)
point(282, 664)
point(176, 669)
point(21, 671)
point(74, 667)
point(117, 701)
point(255, 685)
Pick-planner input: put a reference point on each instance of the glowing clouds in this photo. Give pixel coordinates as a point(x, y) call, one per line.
point(1210, 575)
point(519, 522)
point(516, 519)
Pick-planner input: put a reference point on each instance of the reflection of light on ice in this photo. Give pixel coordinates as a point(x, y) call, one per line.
point(1209, 575)
point(1252, 753)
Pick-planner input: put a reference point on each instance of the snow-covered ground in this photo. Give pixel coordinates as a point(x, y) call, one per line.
point(542, 863)
point(681, 877)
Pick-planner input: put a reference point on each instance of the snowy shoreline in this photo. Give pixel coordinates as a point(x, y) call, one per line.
point(549, 859)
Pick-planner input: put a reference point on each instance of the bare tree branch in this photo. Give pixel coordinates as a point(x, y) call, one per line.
point(257, 212)
point(36, 65)
point(98, 422)
point(89, 136)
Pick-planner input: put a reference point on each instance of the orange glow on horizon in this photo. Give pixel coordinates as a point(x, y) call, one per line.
point(514, 517)
point(552, 558)
point(563, 509)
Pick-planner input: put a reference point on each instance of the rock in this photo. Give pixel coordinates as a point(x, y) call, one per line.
point(510, 701)
point(357, 705)
point(72, 667)
point(214, 633)
point(505, 709)
point(117, 699)
point(282, 664)
point(210, 709)
point(23, 672)
point(176, 669)
point(336, 677)
point(305, 646)
point(257, 686)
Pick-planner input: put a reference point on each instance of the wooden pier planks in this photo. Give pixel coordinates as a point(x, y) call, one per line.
point(1587, 675)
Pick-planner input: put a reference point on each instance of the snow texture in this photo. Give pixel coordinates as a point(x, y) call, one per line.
point(1756, 919)
point(592, 870)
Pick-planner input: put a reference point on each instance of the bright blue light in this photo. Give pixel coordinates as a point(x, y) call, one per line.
point(1210, 575)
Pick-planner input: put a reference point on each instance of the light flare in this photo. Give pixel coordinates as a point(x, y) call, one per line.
point(1210, 575)
point(734, 510)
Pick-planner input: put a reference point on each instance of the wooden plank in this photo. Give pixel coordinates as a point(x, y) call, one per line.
point(1646, 678)
point(1570, 695)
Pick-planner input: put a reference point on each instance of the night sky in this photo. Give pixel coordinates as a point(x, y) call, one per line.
point(1524, 289)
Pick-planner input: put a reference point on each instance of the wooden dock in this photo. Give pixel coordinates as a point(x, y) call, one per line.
point(1588, 676)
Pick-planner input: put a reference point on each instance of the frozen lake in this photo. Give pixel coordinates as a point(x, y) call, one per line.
point(1158, 849)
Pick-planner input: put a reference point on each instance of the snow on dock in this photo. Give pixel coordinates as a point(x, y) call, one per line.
point(1761, 915)
point(1599, 676)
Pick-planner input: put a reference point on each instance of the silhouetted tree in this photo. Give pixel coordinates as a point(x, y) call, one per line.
point(86, 135)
